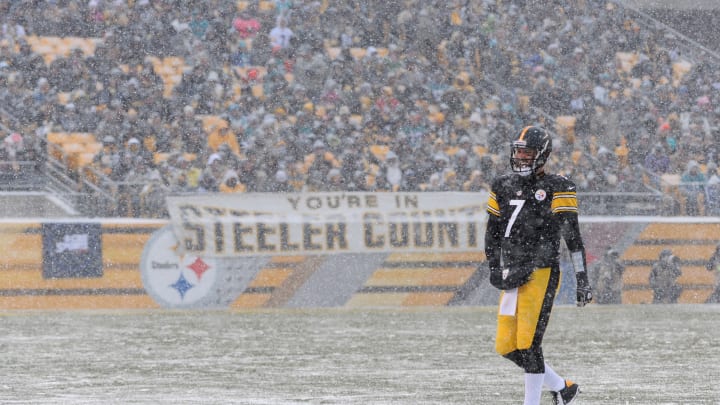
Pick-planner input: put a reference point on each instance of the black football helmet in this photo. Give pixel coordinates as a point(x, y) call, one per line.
point(535, 138)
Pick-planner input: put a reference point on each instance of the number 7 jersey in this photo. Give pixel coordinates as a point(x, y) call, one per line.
point(527, 217)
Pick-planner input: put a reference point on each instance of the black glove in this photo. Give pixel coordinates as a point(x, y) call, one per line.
point(584, 292)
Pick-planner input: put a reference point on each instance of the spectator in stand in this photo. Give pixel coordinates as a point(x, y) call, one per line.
point(11, 30)
point(401, 93)
point(334, 181)
point(657, 162)
point(29, 63)
point(450, 182)
point(13, 148)
point(311, 69)
point(70, 120)
point(246, 24)
point(296, 176)
point(317, 165)
point(223, 135)
point(434, 183)
point(138, 190)
point(209, 181)
point(462, 166)
point(280, 183)
point(107, 161)
point(692, 187)
point(191, 131)
point(230, 183)
point(440, 167)
point(712, 191)
point(390, 176)
point(280, 35)
point(475, 183)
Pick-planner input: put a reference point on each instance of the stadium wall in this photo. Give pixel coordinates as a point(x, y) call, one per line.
point(40, 271)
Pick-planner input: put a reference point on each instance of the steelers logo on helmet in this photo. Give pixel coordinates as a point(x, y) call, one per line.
point(530, 150)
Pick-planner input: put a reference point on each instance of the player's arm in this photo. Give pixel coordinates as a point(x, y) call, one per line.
point(493, 237)
point(565, 206)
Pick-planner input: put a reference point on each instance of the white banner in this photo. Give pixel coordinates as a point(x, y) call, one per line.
point(251, 224)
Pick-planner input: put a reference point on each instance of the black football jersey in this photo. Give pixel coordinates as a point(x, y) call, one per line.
point(527, 217)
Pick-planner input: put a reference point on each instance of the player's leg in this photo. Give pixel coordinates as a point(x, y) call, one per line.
point(519, 337)
point(552, 380)
point(563, 391)
point(506, 345)
point(523, 327)
point(534, 306)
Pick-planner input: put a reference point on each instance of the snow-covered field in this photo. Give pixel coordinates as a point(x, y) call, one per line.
point(619, 354)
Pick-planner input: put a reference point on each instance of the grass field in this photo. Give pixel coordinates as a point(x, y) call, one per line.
point(633, 354)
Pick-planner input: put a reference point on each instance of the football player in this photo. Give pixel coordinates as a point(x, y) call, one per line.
point(529, 211)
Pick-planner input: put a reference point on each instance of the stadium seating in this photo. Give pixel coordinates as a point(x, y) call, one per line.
point(50, 48)
point(249, 78)
point(170, 69)
point(407, 280)
point(75, 149)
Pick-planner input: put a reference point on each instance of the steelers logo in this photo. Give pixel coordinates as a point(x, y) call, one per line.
point(540, 195)
point(175, 280)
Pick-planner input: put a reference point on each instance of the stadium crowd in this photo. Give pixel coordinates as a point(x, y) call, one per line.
point(279, 96)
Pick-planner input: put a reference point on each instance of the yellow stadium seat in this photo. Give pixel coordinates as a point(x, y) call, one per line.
point(212, 122)
point(637, 297)
point(55, 150)
point(524, 103)
point(565, 124)
point(85, 158)
point(694, 295)
point(258, 91)
point(479, 150)
point(356, 119)
point(64, 97)
point(93, 147)
point(357, 53)
point(62, 49)
point(576, 155)
point(58, 137)
point(82, 137)
point(236, 90)
point(379, 151)
point(159, 157)
point(73, 152)
point(697, 276)
point(679, 69)
point(72, 147)
point(333, 52)
point(265, 6)
point(173, 61)
point(90, 174)
point(43, 49)
point(451, 150)
point(626, 60)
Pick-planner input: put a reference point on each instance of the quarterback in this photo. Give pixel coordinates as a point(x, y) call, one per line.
point(529, 212)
